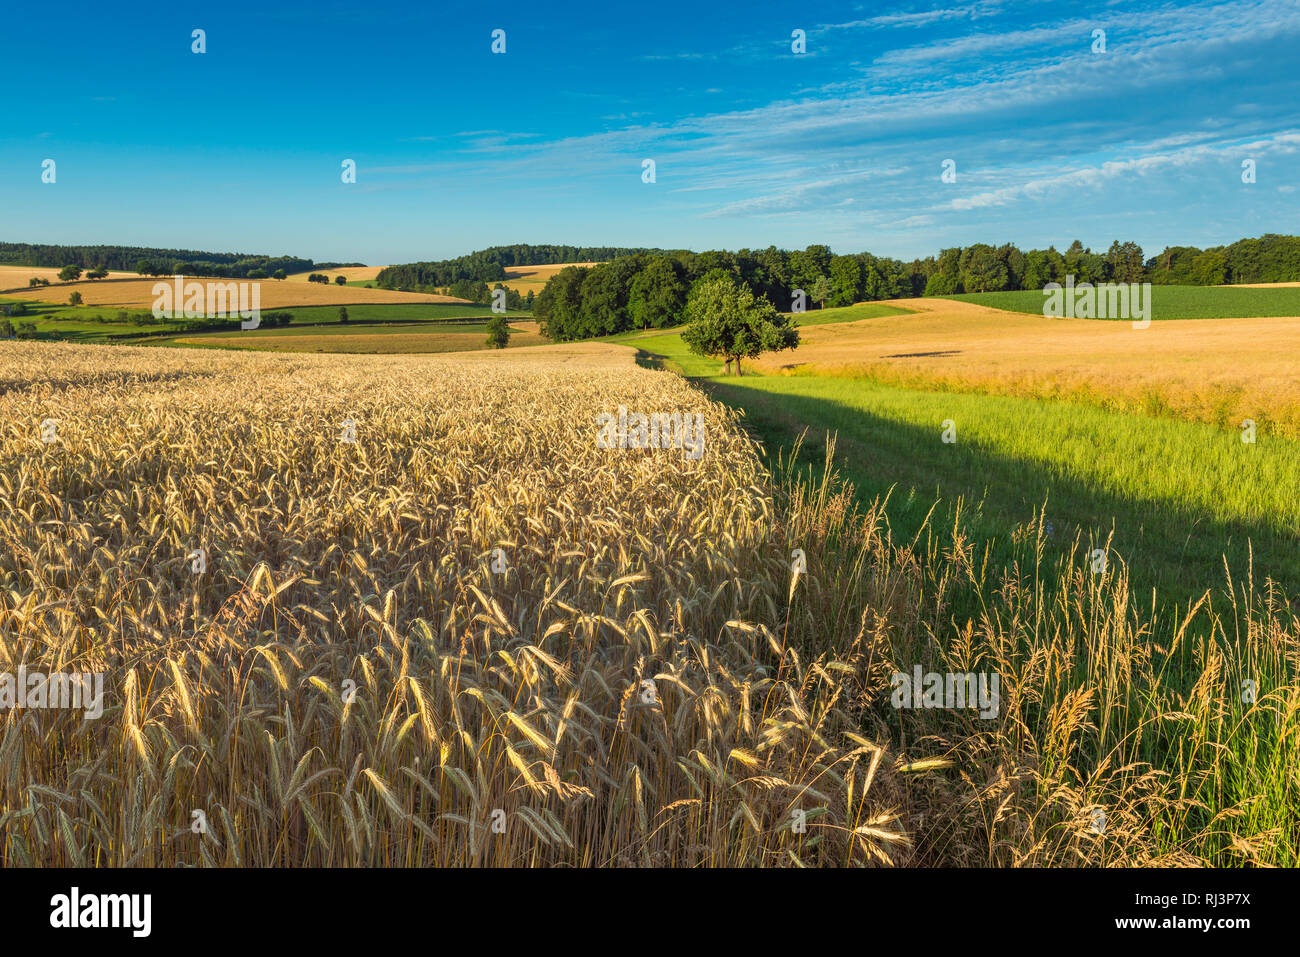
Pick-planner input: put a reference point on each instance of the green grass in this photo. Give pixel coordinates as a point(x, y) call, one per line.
point(339, 329)
point(394, 312)
point(94, 323)
point(1176, 496)
point(668, 351)
point(1170, 302)
point(85, 323)
point(854, 313)
point(336, 329)
point(1180, 505)
point(666, 347)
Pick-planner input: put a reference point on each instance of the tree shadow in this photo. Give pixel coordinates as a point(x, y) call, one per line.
point(1175, 549)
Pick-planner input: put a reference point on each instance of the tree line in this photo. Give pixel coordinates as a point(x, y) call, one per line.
point(157, 262)
point(482, 293)
point(651, 290)
point(489, 265)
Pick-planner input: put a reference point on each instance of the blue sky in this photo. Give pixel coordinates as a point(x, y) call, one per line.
point(239, 149)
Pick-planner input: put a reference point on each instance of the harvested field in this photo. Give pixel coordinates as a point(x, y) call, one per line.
point(276, 294)
point(524, 278)
point(18, 277)
point(348, 272)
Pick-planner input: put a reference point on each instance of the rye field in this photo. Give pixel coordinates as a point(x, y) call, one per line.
point(435, 624)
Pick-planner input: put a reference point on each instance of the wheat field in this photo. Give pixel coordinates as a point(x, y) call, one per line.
point(357, 677)
point(328, 561)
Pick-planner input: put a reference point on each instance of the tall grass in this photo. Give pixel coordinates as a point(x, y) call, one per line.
point(1106, 705)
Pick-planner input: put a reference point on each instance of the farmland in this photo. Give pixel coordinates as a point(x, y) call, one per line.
point(1174, 302)
point(353, 274)
point(108, 323)
point(1219, 372)
point(1087, 420)
point(377, 339)
point(1095, 530)
point(678, 670)
point(524, 279)
point(137, 292)
point(17, 277)
point(370, 562)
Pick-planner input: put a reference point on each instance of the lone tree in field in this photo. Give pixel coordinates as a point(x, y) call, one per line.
point(498, 330)
point(70, 273)
point(729, 322)
point(340, 280)
point(821, 291)
point(343, 313)
point(74, 299)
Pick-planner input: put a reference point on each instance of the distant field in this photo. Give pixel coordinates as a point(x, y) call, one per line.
point(350, 273)
point(391, 340)
point(1216, 371)
point(275, 294)
point(1173, 302)
point(524, 278)
point(98, 323)
point(18, 277)
point(394, 312)
point(1178, 495)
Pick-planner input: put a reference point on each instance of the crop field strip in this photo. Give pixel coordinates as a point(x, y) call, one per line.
point(136, 292)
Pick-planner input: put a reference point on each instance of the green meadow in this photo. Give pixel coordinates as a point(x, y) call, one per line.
point(1171, 500)
point(1170, 302)
point(99, 324)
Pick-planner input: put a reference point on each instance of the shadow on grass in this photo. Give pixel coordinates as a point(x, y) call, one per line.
point(1176, 551)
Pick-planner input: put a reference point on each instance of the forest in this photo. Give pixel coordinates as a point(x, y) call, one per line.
point(644, 290)
point(154, 261)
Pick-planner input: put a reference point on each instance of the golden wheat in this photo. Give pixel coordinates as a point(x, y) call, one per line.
point(638, 676)
point(349, 681)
